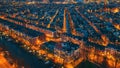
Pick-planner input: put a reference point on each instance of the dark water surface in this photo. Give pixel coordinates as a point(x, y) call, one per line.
point(23, 57)
point(27, 59)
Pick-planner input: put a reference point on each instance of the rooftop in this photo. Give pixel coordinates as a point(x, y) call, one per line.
point(68, 47)
point(22, 29)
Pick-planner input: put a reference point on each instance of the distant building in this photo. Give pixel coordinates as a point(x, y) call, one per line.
point(75, 39)
point(97, 1)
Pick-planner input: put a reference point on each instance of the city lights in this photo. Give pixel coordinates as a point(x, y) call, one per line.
point(60, 34)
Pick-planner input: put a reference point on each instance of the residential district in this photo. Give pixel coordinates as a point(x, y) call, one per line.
point(59, 33)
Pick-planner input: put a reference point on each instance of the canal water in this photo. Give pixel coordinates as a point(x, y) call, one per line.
point(23, 57)
point(29, 60)
point(87, 64)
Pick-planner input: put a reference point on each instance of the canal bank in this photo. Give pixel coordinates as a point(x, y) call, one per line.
point(28, 60)
point(23, 57)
